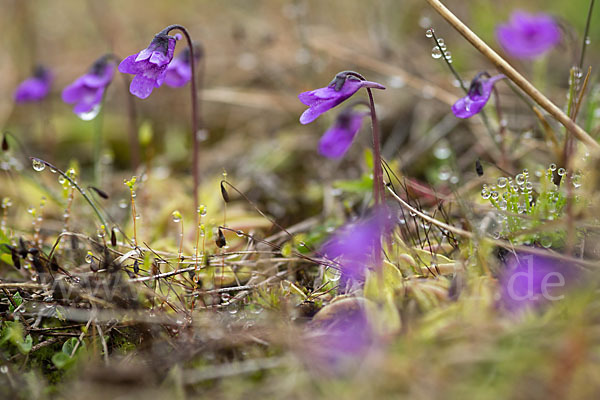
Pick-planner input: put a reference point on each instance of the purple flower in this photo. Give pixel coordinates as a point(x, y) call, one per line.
point(324, 99)
point(87, 90)
point(532, 280)
point(149, 65)
point(479, 94)
point(353, 246)
point(337, 341)
point(528, 35)
point(337, 140)
point(34, 88)
point(179, 71)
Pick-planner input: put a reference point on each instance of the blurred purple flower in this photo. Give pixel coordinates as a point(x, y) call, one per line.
point(353, 246)
point(337, 140)
point(479, 94)
point(528, 35)
point(35, 88)
point(531, 280)
point(86, 91)
point(344, 337)
point(338, 337)
point(149, 65)
point(324, 99)
point(179, 71)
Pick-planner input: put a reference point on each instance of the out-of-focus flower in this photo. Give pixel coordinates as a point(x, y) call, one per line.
point(531, 280)
point(149, 65)
point(342, 87)
point(479, 94)
point(353, 246)
point(339, 335)
point(86, 91)
point(336, 141)
point(528, 35)
point(35, 88)
point(179, 71)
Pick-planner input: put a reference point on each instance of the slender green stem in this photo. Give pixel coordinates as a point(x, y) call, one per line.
point(586, 34)
point(449, 63)
point(76, 186)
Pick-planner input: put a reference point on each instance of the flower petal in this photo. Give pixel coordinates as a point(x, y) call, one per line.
point(73, 92)
point(130, 66)
point(338, 139)
point(142, 85)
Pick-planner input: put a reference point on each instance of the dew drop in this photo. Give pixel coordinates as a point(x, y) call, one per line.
point(38, 165)
point(89, 257)
point(552, 167)
point(429, 33)
point(520, 179)
point(502, 181)
point(176, 216)
point(561, 171)
point(123, 203)
point(90, 115)
point(436, 53)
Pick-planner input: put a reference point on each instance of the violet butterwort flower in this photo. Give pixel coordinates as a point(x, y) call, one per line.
point(337, 341)
point(324, 99)
point(337, 140)
point(353, 246)
point(149, 65)
point(532, 280)
point(86, 92)
point(179, 71)
point(528, 35)
point(479, 94)
point(35, 88)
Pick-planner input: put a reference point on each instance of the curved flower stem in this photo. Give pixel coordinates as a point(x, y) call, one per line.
point(515, 76)
point(377, 170)
point(196, 124)
point(378, 189)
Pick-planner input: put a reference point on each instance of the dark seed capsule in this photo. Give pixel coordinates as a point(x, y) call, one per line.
point(136, 266)
point(5, 146)
point(33, 251)
point(22, 248)
point(38, 265)
point(16, 259)
point(113, 237)
point(220, 241)
point(478, 168)
point(224, 193)
point(100, 192)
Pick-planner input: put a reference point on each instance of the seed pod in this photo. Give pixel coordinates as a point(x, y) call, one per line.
point(113, 237)
point(224, 193)
point(136, 266)
point(100, 192)
point(478, 168)
point(5, 146)
point(220, 241)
